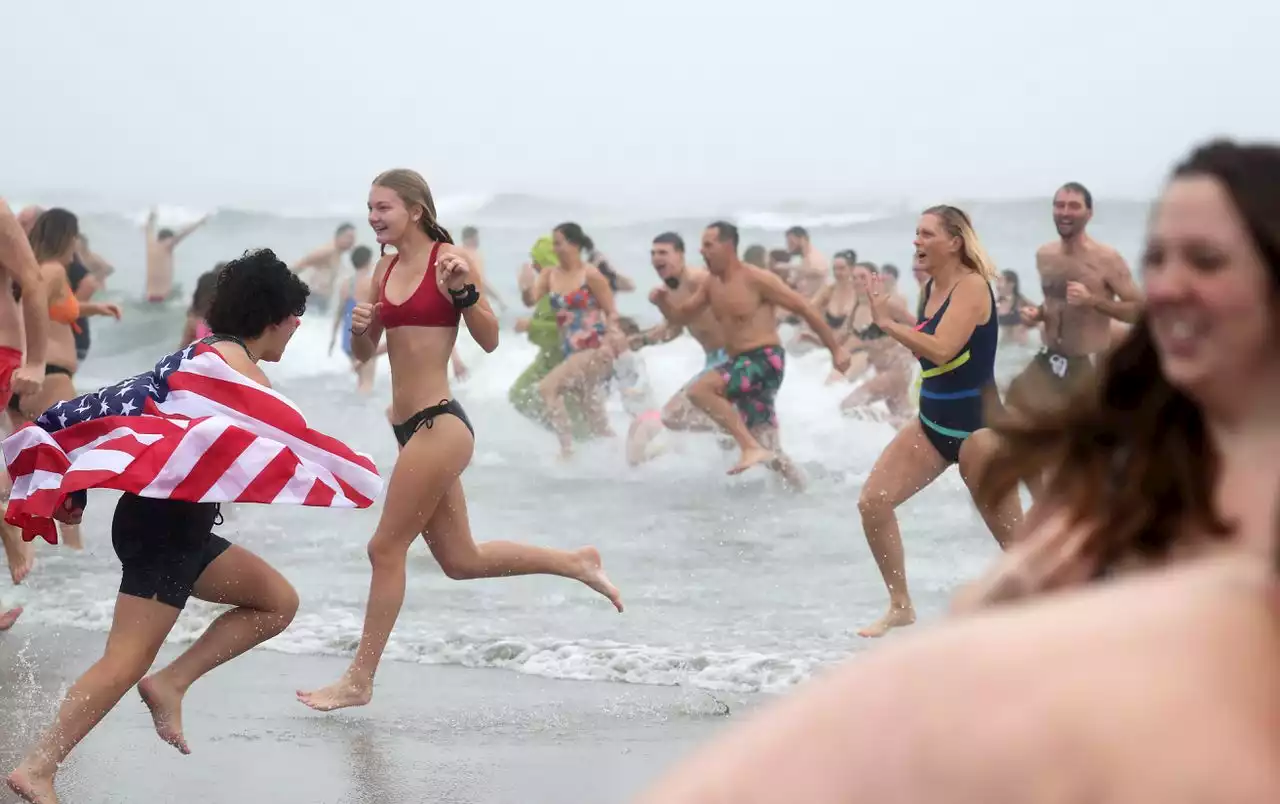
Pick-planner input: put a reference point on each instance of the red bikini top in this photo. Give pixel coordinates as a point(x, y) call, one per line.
point(427, 307)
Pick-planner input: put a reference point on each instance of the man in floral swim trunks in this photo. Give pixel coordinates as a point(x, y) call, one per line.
point(740, 395)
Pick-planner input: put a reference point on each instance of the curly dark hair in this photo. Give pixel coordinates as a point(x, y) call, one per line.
point(1132, 458)
point(255, 291)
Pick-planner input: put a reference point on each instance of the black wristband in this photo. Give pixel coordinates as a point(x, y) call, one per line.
point(464, 298)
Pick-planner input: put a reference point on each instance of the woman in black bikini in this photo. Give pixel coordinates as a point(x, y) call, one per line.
point(892, 363)
point(427, 289)
point(1009, 303)
point(836, 301)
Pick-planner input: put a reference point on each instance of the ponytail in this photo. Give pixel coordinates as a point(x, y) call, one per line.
point(435, 231)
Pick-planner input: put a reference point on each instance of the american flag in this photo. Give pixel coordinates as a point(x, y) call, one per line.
point(192, 428)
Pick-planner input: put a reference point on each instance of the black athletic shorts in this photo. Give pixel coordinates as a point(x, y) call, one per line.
point(164, 546)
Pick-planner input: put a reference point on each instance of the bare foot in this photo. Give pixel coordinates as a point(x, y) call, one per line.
point(337, 696)
point(8, 618)
point(896, 618)
point(165, 704)
point(792, 477)
point(592, 574)
point(752, 457)
point(31, 787)
point(21, 555)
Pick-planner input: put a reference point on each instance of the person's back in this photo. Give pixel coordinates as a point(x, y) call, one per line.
point(1056, 701)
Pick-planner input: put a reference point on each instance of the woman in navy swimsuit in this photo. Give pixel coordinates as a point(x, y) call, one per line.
point(955, 342)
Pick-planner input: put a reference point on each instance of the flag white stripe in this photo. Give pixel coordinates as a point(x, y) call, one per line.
point(244, 471)
point(195, 443)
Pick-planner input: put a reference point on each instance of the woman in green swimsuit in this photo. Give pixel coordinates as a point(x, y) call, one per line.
point(545, 334)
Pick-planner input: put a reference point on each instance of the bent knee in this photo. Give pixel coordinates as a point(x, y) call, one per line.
point(874, 505)
point(460, 567)
point(285, 603)
point(384, 552)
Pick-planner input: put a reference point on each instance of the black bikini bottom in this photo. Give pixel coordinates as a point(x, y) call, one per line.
point(427, 416)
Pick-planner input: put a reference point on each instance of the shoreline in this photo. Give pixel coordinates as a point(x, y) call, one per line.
point(432, 733)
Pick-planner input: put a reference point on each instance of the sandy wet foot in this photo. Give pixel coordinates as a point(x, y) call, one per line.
point(165, 703)
point(753, 456)
point(31, 787)
point(895, 618)
point(340, 695)
point(8, 618)
point(592, 574)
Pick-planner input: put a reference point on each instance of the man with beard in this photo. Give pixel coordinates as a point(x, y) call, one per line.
point(682, 283)
point(1086, 285)
point(814, 270)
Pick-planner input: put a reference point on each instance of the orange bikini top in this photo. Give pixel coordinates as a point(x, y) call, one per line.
point(66, 311)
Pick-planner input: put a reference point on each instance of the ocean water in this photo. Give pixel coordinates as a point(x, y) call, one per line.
point(730, 583)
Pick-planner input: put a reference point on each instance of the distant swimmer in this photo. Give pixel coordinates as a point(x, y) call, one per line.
point(682, 283)
point(814, 270)
point(324, 264)
point(160, 246)
point(741, 394)
point(1086, 285)
point(351, 294)
point(471, 242)
point(891, 361)
point(836, 300)
point(1009, 304)
point(87, 274)
point(955, 342)
point(26, 322)
point(427, 291)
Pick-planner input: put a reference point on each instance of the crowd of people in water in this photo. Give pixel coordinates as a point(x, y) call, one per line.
point(1144, 430)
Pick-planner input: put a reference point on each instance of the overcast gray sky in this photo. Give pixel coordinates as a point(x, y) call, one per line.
point(303, 101)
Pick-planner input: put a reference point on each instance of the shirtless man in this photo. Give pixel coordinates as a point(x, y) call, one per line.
point(18, 373)
point(1086, 285)
point(325, 262)
point(681, 283)
point(814, 270)
point(740, 395)
point(471, 242)
point(160, 246)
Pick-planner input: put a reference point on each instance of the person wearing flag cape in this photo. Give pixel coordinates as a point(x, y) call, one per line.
point(203, 427)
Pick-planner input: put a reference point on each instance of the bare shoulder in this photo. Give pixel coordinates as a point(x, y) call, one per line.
point(239, 360)
point(1049, 250)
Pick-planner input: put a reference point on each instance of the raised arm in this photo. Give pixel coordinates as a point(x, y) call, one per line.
point(17, 258)
point(970, 301)
point(317, 257)
point(185, 232)
point(481, 321)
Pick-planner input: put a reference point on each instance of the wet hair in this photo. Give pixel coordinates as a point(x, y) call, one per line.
point(957, 224)
point(756, 255)
point(889, 269)
point(798, 231)
point(848, 255)
point(1131, 456)
point(206, 287)
point(361, 256)
point(53, 234)
point(575, 236)
point(726, 233)
point(343, 228)
point(414, 192)
point(1079, 189)
point(255, 291)
point(779, 255)
point(671, 239)
point(469, 232)
point(628, 326)
point(164, 234)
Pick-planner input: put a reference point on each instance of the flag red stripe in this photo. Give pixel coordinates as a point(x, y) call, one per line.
point(225, 450)
point(272, 479)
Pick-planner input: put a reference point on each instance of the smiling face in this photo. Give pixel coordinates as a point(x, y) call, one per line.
point(842, 270)
point(388, 216)
point(935, 247)
point(1211, 298)
point(862, 278)
point(1071, 213)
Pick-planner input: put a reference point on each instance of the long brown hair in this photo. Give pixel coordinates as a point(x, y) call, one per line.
point(53, 234)
point(1131, 457)
point(956, 222)
point(413, 191)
